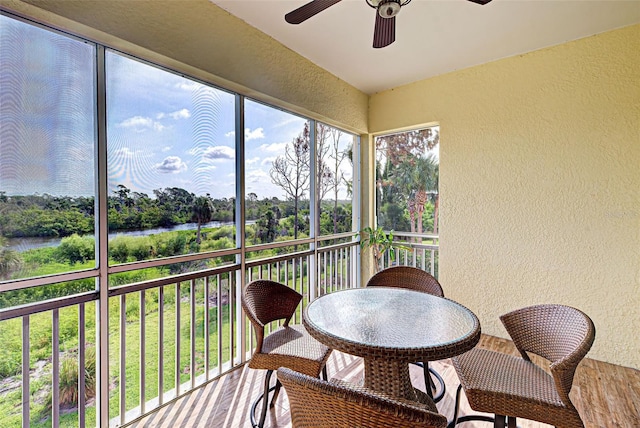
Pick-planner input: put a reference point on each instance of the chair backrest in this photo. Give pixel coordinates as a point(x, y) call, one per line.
point(561, 334)
point(407, 277)
point(319, 404)
point(265, 301)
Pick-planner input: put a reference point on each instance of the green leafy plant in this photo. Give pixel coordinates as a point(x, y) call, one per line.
point(379, 242)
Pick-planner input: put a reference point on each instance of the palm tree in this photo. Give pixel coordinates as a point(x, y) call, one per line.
point(417, 177)
point(202, 212)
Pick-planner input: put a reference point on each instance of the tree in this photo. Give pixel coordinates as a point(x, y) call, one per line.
point(291, 171)
point(333, 177)
point(416, 177)
point(405, 176)
point(324, 174)
point(202, 212)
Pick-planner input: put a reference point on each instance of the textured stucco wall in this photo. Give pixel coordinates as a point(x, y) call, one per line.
point(540, 182)
point(200, 38)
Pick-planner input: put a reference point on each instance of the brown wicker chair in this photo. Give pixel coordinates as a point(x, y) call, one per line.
point(513, 387)
point(418, 280)
point(266, 301)
point(315, 403)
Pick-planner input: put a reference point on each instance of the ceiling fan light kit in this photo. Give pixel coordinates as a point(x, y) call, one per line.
point(384, 32)
point(387, 8)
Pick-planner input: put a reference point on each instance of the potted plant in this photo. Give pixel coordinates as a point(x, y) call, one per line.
point(379, 242)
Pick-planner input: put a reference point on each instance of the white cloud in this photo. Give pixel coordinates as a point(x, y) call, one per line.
point(252, 161)
point(178, 114)
point(274, 147)
point(166, 149)
point(188, 85)
point(249, 135)
point(216, 153)
point(140, 123)
point(258, 176)
point(253, 135)
point(206, 168)
point(171, 165)
point(267, 161)
point(124, 152)
point(288, 120)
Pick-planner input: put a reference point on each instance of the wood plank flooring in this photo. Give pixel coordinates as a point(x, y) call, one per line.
point(606, 395)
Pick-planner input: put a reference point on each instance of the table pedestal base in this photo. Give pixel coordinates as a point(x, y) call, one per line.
point(392, 378)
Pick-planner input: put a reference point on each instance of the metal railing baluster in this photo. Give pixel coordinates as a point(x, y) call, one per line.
point(26, 392)
point(160, 345)
point(207, 333)
point(192, 322)
point(123, 369)
point(177, 336)
point(82, 402)
point(55, 351)
point(219, 321)
point(143, 365)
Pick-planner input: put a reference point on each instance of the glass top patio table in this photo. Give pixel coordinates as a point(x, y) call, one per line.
point(390, 327)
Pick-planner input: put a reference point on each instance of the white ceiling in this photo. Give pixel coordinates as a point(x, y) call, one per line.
point(432, 36)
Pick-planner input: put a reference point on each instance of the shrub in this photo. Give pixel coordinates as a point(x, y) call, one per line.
point(76, 249)
point(69, 390)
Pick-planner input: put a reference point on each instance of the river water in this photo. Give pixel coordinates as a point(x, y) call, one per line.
point(24, 244)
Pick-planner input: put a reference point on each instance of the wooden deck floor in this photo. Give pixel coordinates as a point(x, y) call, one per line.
point(606, 395)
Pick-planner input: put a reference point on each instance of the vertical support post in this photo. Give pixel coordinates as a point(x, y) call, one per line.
point(240, 231)
point(102, 226)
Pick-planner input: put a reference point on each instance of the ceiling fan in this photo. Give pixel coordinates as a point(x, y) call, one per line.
point(384, 32)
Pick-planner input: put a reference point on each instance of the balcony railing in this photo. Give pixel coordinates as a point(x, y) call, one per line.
point(417, 250)
point(167, 336)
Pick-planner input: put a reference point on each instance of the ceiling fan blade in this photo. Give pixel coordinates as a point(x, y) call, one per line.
point(308, 10)
point(385, 31)
point(480, 1)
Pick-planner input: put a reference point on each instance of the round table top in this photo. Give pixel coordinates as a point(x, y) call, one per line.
point(390, 322)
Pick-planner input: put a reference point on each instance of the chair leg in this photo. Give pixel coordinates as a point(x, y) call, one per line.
point(325, 376)
point(455, 421)
point(265, 401)
point(511, 422)
point(275, 394)
point(500, 422)
point(428, 373)
point(456, 409)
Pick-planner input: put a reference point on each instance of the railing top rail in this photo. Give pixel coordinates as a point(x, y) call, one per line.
point(167, 280)
point(415, 235)
point(336, 236)
point(282, 258)
point(47, 305)
point(47, 279)
point(269, 246)
point(337, 246)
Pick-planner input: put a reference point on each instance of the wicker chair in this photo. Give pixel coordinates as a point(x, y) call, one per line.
point(513, 387)
point(315, 403)
point(418, 280)
point(288, 346)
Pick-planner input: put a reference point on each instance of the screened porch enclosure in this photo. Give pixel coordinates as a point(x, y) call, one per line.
point(136, 204)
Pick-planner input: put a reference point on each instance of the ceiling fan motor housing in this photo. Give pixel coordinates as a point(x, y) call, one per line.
point(389, 8)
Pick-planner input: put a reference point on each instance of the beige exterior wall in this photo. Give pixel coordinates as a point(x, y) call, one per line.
point(540, 182)
point(199, 38)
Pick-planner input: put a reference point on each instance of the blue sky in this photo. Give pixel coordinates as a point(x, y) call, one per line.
point(163, 130)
